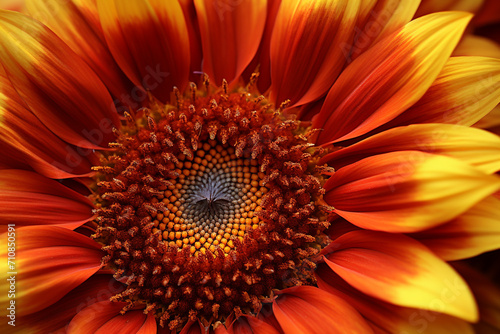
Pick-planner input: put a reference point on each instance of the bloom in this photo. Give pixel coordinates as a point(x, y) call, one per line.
point(297, 167)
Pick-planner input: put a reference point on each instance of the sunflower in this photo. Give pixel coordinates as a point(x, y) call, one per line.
point(242, 166)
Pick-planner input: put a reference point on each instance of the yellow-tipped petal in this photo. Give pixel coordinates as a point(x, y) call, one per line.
point(57, 86)
point(406, 191)
point(466, 90)
point(472, 233)
point(390, 77)
point(149, 40)
point(401, 271)
point(476, 147)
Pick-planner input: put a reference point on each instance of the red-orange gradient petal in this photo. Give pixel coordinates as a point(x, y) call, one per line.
point(388, 318)
point(466, 90)
point(472, 233)
point(406, 191)
point(28, 198)
point(50, 261)
point(149, 40)
point(57, 85)
point(26, 142)
point(56, 317)
point(306, 309)
point(77, 24)
point(389, 77)
point(478, 148)
point(230, 35)
point(104, 318)
point(401, 271)
point(307, 48)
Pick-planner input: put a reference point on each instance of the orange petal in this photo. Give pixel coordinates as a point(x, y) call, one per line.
point(50, 261)
point(194, 39)
point(261, 62)
point(389, 77)
point(306, 47)
point(57, 316)
point(26, 142)
point(306, 309)
point(472, 233)
point(194, 327)
point(478, 148)
point(131, 322)
point(28, 198)
point(230, 35)
point(401, 271)
point(59, 88)
point(249, 324)
point(466, 90)
point(150, 42)
point(406, 191)
point(104, 318)
point(388, 318)
point(77, 24)
point(382, 19)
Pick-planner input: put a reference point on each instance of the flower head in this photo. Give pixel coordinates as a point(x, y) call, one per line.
point(228, 166)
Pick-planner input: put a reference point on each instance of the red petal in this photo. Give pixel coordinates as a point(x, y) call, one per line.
point(401, 271)
point(58, 87)
point(306, 309)
point(472, 233)
point(388, 318)
point(406, 191)
point(27, 198)
point(307, 48)
point(26, 142)
point(50, 261)
point(150, 42)
point(77, 24)
point(230, 35)
point(389, 77)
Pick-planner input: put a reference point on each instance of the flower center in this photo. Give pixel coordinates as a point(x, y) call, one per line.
point(208, 205)
point(213, 199)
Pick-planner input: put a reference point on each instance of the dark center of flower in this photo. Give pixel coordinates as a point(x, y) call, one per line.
point(208, 205)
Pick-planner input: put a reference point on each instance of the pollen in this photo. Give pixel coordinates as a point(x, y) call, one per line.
point(207, 205)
